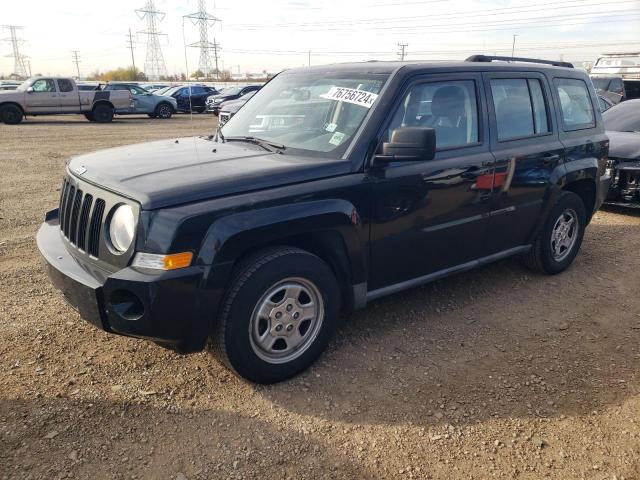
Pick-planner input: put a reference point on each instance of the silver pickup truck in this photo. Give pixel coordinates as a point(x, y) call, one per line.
point(55, 96)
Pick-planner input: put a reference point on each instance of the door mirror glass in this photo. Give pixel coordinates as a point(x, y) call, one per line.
point(409, 144)
point(30, 90)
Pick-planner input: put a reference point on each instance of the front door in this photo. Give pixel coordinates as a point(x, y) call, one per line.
point(527, 150)
point(430, 216)
point(42, 97)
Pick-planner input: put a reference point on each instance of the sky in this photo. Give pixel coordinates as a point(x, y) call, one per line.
point(257, 36)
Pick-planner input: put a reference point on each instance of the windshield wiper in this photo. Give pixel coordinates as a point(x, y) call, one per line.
point(266, 144)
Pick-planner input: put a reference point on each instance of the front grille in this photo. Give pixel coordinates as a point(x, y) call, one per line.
point(81, 218)
point(224, 118)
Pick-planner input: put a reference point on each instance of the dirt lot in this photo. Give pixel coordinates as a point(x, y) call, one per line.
point(498, 373)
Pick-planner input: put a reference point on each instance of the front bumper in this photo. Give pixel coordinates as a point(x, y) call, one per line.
point(169, 307)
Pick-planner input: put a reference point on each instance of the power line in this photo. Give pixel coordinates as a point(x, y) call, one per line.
point(76, 60)
point(19, 60)
point(131, 47)
point(401, 53)
point(204, 20)
point(154, 65)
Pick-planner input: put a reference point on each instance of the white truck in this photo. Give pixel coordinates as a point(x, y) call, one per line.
point(617, 76)
point(55, 96)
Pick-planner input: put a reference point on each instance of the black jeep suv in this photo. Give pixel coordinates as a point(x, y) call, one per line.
point(334, 186)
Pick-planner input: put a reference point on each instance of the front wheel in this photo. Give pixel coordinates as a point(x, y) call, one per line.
point(164, 111)
point(558, 243)
point(11, 114)
point(278, 315)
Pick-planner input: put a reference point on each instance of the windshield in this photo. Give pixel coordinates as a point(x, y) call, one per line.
point(315, 113)
point(24, 85)
point(624, 117)
point(231, 91)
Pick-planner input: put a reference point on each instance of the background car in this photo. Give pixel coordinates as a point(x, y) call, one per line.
point(622, 123)
point(233, 93)
point(156, 106)
point(229, 108)
point(191, 98)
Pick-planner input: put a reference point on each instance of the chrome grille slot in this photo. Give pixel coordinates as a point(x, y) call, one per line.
point(83, 221)
point(67, 210)
point(95, 227)
point(75, 212)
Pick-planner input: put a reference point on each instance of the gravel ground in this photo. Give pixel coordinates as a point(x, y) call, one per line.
point(496, 373)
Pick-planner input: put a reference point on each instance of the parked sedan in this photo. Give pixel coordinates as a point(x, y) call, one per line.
point(622, 123)
point(156, 106)
point(191, 98)
point(229, 108)
point(233, 93)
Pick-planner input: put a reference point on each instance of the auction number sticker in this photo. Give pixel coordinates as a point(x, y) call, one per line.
point(351, 95)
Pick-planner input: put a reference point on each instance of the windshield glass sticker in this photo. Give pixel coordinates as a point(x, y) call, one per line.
point(351, 95)
point(336, 138)
point(330, 127)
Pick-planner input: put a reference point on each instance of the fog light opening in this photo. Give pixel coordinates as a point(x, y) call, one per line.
point(127, 305)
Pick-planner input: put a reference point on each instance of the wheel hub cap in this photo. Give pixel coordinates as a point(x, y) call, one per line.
point(286, 320)
point(564, 235)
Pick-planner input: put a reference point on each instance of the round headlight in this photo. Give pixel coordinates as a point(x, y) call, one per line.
point(121, 228)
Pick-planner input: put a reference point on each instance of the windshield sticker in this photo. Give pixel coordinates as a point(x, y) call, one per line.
point(351, 95)
point(336, 138)
point(330, 127)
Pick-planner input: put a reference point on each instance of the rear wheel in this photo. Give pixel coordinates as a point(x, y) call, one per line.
point(558, 243)
point(164, 111)
point(102, 113)
point(11, 114)
point(89, 116)
point(278, 315)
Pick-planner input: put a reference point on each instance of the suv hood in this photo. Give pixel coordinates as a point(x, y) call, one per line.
point(624, 145)
point(170, 172)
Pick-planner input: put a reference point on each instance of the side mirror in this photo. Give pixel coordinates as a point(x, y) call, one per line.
point(30, 90)
point(409, 144)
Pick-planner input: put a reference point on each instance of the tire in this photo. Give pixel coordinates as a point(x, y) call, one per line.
point(102, 113)
point(151, 115)
point(291, 285)
point(543, 257)
point(164, 111)
point(89, 116)
point(11, 114)
point(200, 109)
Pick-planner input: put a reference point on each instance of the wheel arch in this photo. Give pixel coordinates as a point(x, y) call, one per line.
point(102, 102)
point(15, 104)
point(330, 229)
point(581, 178)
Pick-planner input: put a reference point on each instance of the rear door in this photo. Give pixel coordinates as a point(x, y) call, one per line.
point(43, 97)
point(527, 149)
point(69, 101)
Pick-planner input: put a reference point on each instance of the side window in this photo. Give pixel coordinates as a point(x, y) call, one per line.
point(44, 85)
point(575, 103)
point(616, 86)
point(451, 108)
point(520, 108)
point(65, 85)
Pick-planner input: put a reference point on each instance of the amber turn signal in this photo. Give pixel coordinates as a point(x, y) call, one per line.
point(163, 262)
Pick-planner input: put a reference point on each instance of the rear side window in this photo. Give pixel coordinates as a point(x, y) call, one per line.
point(575, 103)
point(520, 108)
point(65, 85)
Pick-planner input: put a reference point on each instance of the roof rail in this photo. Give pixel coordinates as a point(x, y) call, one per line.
point(491, 58)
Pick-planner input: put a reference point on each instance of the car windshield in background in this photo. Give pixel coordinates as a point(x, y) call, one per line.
point(624, 117)
point(601, 83)
point(302, 111)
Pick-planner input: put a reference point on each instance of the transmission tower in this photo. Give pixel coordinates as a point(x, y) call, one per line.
point(402, 52)
point(76, 59)
point(154, 65)
point(20, 64)
point(204, 20)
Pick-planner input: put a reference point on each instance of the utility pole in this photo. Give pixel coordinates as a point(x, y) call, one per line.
point(402, 52)
point(19, 60)
point(154, 65)
point(204, 20)
point(309, 57)
point(513, 46)
point(131, 47)
point(76, 60)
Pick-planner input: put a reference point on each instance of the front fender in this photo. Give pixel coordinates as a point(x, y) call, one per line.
point(229, 237)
